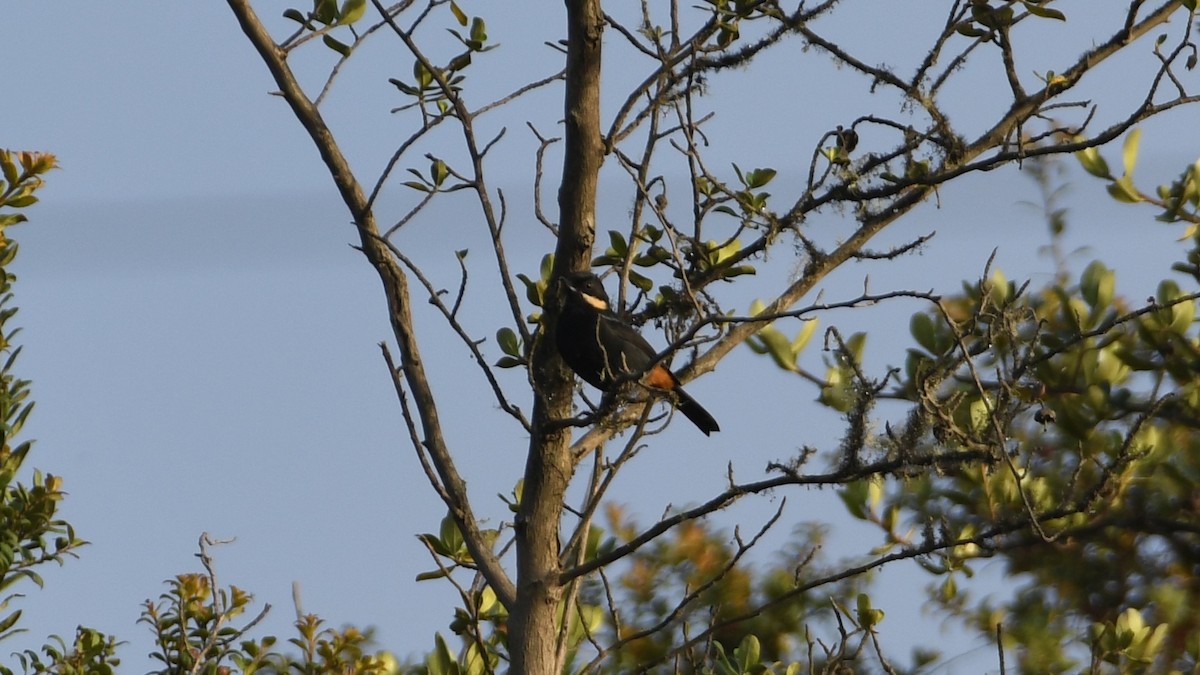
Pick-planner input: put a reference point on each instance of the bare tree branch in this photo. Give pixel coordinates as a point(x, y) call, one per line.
point(395, 285)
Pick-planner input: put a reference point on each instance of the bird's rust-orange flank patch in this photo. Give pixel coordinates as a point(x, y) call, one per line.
point(660, 378)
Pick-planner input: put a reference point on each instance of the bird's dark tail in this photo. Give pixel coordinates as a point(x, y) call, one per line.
point(695, 412)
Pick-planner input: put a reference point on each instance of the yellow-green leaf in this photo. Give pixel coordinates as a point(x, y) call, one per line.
point(478, 30)
point(1044, 12)
point(807, 330)
point(438, 171)
point(1093, 162)
point(1123, 190)
point(352, 10)
point(459, 15)
point(1130, 150)
point(9, 166)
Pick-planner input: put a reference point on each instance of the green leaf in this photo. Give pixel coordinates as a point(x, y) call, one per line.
point(1097, 285)
point(1044, 12)
point(1093, 162)
point(777, 346)
point(459, 62)
point(726, 36)
point(9, 621)
point(868, 616)
point(7, 219)
point(478, 30)
point(856, 344)
point(616, 242)
point(737, 271)
point(9, 166)
point(655, 255)
point(295, 15)
point(325, 11)
point(948, 590)
point(1181, 314)
point(1123, 190)
point(643, 283)
point(352, 10)
point(923, 331)
point(854, 496)
point(441, 660)
point(992, 17)
point(22, 201)
point(759, 177)
point(336, 45)
point(980, 415)
point(459, 15)
point(719, 254)
point(509, 344)
point(998, 288)
point(1130, 150)
point(807, 330)
point(724, 667)
point(407, 89)
point(450, 536)
point(438, 171)
point(533, 293)
point(838, 390)
point(434, 542)
point(485, 600)
point(738, 171)
point(968, 29)
point(423, 76)
point(748, 654)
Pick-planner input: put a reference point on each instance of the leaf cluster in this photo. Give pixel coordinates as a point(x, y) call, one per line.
point(31, 534)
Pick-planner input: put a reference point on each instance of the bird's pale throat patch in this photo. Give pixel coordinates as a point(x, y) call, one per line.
point(598, 303)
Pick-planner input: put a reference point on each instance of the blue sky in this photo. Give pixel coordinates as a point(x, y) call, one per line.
point(203, 340)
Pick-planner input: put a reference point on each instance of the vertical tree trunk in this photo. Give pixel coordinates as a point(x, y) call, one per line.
point(533, 620)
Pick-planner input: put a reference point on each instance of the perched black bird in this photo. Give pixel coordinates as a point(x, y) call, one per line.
point(605, 351)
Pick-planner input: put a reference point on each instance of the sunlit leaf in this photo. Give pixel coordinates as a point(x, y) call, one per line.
point(1044, 12)
point(438, 171)
point(459, 15)
point(352, 11)
point(1130, 150)
point(1093, 162)
point(759, 177)
point(1123, 190)
point(479, 30)
point(868, 616)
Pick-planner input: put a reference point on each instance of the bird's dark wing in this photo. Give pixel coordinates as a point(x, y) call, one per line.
point(627, 352)
point(638, 356)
